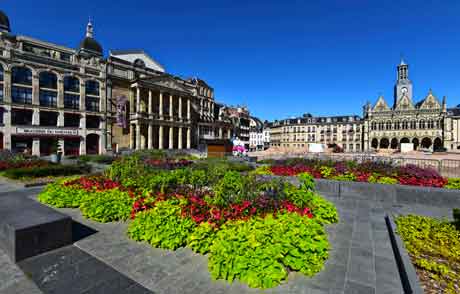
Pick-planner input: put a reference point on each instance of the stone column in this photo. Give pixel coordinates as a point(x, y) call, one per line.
point(138, 99)
point(161, 105)
point(83, 99)
point(229, 134)
point(171, 107)
point(7, 86)
point(188, 109)
point(60, 93)
point(60, 120)
point(220, 133)
point(160, 137)
point(36, 117)
point(150, 103)
point(171, 137)
point(189, 138)
point(131, 136)
point(82, 146)
point(82, 121)
point(179, 136)
point(35, 90)
point(180, 107)
point(36, 146)
point(138, 136)
point(150, 137)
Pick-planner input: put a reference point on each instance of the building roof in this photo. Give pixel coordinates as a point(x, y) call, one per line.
point(89, 44)
point(4, 22)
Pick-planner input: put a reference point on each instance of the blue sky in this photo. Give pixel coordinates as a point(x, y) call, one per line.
point(281, 58)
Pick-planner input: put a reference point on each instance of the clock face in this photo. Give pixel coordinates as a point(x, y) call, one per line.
point(404, 90)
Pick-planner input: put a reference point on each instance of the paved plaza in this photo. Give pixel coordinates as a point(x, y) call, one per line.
point(361, 259)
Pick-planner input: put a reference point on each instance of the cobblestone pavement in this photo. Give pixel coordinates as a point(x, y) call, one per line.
point(361, 259)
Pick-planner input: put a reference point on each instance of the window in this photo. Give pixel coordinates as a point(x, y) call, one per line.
point(430, 124)
point(48, 98)
point(71, 84)
point(92, 104)
point(396, 127)
point(405, 125)
point(48, 80)
point(71, 101)
point(92, 88)
point(388, 125)
point(421, 124)
point(413, 125)
point(21, 95)
point(1, 85)
point(21, 75)
point(373, 126)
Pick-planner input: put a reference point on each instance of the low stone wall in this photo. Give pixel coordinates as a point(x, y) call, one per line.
point(394, 194)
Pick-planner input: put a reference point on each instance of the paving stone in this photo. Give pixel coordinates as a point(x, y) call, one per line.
point(357, 288)
point(361, 267)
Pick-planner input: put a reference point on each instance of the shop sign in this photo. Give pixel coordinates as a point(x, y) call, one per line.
point(45, 131)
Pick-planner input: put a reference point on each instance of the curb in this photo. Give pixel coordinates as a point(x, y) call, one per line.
point(407, 273)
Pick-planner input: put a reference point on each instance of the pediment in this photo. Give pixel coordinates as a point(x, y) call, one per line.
point(138, 58)
point(404, 103)
point(380, 105)
point(167, 82)
point(430, 102)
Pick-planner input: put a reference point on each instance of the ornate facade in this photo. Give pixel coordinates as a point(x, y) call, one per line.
point(426, 124)
point(51, 96)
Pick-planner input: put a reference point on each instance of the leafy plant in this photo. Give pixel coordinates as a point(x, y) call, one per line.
point(453, 183)
point(107, 206)
point(58, 195)
point(201, 238)
point(162, 226)
point(456, 216)
point(263, 170)
point(434, 245)
point(324, 211)
point(326, 171)
point(46, 171)
point(228, 188)
point(258, 252)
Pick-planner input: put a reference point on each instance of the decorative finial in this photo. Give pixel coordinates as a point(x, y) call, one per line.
point(89, 29)
point(430, 92)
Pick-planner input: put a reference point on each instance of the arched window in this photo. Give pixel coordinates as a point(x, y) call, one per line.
point(71, 92)
point(413, 125)
point(373, 126)
point(381, 125)
point(421, 124)
point(1, 82)
point(405, 125)
point(139, 62)
point(92, 96)
point(430, 124)
point(21, 89)
point(396, 125)
point(388, 125)
point(48, 89)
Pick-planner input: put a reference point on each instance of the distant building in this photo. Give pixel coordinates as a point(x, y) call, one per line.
point(256, 135)
point(240, 119)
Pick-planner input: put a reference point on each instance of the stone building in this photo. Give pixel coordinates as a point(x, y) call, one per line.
point(51, 96)
point(240, 118)
point(426, 123)
point(343, 131)
point(256, 135)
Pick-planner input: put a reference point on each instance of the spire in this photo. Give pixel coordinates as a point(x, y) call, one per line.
point(402, 62)
point(444, 104)
point(89, 29)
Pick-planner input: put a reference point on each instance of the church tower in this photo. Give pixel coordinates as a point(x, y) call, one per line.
point(403, 85)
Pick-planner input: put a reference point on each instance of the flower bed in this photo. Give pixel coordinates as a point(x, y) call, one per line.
point(253, 231)
point(434, 248)
point(362, 172)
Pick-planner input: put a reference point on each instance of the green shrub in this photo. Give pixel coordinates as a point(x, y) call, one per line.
point(326, 171)
point(307, 182)
point(46, 171)
point(347, 176)
point(453, 183)
point(262, 170)
point(259, 251)
point(201, 238)
point(103, 159)
point(324, 211)
point(228, 189)
point(434, 246)
point(107, 206)
point(58, 195)
point(162, 226)
point(126, 170)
